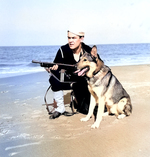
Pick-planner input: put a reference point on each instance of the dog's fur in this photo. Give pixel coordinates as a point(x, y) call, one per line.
point(105, 89)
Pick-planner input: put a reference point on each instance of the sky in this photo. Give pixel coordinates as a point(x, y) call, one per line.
point(45, 22)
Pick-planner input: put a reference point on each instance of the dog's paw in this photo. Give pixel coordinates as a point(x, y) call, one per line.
point(95, 125)
point(121, 116)
point(84, 119)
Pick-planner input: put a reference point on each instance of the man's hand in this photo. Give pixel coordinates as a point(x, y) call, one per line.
point(54, 67)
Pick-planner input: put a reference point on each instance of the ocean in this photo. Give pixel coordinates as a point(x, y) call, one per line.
point(17, 60)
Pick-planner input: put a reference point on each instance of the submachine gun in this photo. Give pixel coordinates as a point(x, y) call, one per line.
point(66, 69)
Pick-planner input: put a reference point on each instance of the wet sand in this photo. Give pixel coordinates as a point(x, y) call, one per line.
point(27, 131)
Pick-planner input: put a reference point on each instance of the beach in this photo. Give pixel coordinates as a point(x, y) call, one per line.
point(27, 131)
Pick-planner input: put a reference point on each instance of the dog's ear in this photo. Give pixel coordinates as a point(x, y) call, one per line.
point(94, 51)
point(99, 65)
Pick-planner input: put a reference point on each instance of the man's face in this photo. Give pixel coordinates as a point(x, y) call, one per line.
point(74, 40)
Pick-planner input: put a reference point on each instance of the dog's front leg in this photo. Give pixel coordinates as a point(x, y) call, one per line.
point(91, 109)
point(100, 112)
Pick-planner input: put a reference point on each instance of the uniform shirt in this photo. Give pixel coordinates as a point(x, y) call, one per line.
point(65, 54)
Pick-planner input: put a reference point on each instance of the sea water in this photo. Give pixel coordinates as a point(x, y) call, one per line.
point(17, 60)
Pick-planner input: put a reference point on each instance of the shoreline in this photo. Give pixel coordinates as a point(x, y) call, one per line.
point(26, 130)
point(43, 71)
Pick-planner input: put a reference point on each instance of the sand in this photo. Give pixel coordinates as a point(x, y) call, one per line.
point(27, 131)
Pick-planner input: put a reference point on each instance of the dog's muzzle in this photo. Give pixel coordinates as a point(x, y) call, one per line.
point(82, 72)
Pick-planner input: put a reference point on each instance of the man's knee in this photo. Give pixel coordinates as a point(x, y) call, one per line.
point(56, 85)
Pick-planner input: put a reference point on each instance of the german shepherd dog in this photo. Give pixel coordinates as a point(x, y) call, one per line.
point(105, 89)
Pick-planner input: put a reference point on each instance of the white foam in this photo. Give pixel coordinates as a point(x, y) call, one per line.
point(22, 136)
point(20, 146)
point(13, 153)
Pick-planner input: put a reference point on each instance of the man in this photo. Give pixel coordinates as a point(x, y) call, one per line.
point(70, 54)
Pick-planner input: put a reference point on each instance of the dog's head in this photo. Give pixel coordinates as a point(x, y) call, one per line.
point(88, 65)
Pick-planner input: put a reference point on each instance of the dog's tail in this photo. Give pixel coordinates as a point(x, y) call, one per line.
point(128, 107)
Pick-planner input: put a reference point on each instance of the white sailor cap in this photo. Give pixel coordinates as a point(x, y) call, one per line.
point(76, 31)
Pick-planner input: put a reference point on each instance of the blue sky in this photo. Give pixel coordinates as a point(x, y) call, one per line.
point(45, 22)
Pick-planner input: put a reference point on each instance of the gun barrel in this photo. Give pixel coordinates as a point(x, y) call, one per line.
point(35, 61)
point(49, 64)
